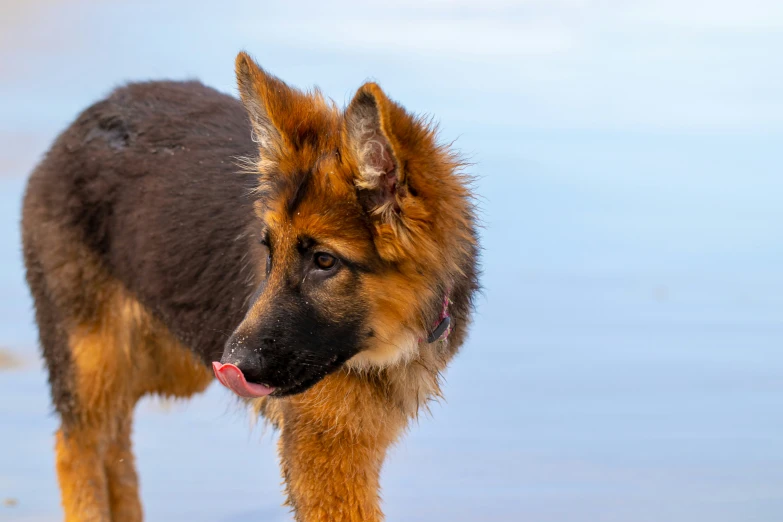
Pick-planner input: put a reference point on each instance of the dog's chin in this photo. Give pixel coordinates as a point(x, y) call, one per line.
point(297, 387)
point(306, 382)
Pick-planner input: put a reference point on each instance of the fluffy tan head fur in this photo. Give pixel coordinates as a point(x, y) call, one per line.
point(379, 189)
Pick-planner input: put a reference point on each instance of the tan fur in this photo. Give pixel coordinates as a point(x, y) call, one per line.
point(120, 357)
point(334, 437)
point(333, 441)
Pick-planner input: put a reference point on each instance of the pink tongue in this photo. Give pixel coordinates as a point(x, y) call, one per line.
point(232, 378)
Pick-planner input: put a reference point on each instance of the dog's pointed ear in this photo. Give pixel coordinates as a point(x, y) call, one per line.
point(370, 137)
point(263, 95)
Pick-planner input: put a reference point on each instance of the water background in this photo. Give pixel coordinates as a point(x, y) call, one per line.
point(625, 363)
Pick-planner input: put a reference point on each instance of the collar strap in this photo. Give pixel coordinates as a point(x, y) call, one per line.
point(444, 325)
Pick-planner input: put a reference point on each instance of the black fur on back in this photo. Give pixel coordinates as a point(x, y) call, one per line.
point(146, 182)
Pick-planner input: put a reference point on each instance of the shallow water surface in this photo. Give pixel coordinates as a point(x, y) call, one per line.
point(625, 363)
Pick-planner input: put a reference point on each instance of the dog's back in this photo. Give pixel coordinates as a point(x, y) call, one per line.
point(149, 170)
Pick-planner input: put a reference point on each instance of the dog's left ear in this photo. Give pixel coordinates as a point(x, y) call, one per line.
point(267, 100)
point(380, 180)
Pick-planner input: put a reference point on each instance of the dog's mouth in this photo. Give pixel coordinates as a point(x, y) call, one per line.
point(299, 386)
point(232, 378)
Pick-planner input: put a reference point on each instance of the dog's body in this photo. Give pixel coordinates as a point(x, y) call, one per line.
point(315, 276)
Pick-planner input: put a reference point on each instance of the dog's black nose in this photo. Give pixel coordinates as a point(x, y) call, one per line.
point(245, 355)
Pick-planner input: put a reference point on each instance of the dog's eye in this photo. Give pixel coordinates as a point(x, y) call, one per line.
point(325, 261)
point(264, 241)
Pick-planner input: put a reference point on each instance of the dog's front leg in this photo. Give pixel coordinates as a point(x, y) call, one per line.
point(333, 442)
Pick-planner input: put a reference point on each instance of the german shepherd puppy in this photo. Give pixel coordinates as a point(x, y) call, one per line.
point(328, 280)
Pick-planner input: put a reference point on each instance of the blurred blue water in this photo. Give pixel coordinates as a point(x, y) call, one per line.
point(625, 363)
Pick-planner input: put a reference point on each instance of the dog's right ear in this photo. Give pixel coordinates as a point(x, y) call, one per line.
point(264, 97)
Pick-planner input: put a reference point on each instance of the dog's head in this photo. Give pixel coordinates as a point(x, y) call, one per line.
point(364, 225)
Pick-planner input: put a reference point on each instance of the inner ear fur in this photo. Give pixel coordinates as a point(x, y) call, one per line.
point(380, 178)
point(393, 150)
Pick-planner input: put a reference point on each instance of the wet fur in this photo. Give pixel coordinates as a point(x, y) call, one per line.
point(142, 246)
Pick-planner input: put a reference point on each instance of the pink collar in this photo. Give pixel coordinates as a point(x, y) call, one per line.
point(443, 327)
